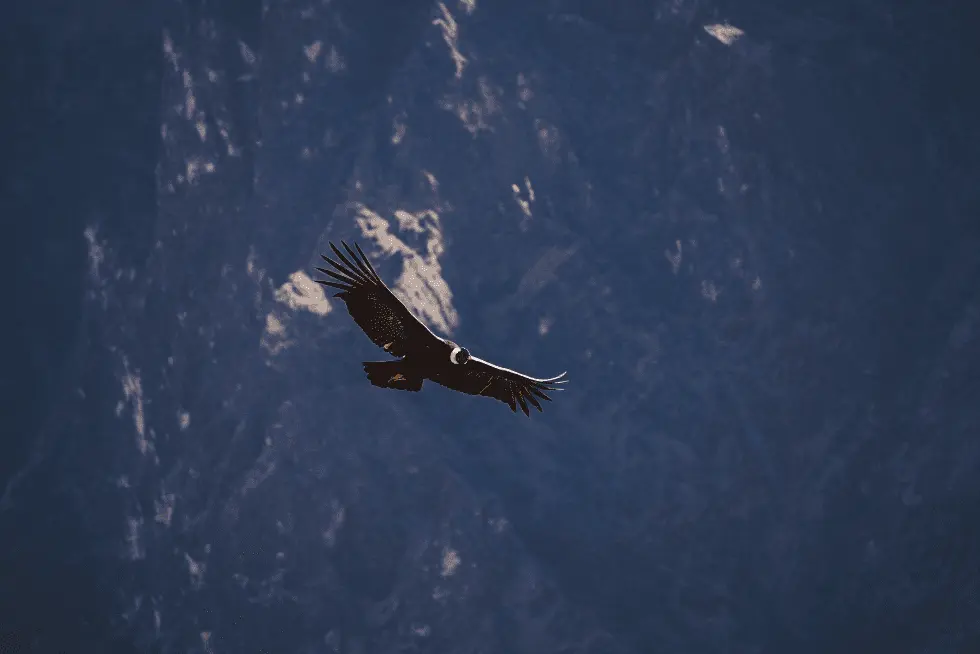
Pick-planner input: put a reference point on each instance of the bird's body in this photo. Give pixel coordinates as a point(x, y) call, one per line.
point(422, 354)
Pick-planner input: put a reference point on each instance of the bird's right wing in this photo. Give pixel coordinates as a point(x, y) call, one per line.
point(382, 316)
point(479, 377)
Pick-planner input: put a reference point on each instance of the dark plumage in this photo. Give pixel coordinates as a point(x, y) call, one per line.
point(422, 354)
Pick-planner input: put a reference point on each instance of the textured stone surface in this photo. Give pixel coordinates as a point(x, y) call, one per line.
point(748, 233)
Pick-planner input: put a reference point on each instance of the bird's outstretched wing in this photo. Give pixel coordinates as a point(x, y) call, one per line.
point(372, 305)
point(479, 377)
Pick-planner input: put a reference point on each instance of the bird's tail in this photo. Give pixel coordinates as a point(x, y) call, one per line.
point(393, 374)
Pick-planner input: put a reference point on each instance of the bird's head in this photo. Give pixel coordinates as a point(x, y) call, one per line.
point(459, 355)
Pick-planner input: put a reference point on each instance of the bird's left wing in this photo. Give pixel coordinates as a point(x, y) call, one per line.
point(382, 316)
point(479, 377)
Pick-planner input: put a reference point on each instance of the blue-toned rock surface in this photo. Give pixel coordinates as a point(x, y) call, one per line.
point(749, 232)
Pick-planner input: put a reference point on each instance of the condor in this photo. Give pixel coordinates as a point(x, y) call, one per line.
point(421, 354)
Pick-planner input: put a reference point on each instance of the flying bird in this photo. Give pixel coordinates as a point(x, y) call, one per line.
point(421, 354)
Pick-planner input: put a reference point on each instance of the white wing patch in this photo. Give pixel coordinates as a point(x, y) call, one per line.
point(513, 372)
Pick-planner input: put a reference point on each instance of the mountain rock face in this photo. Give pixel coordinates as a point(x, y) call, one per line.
point(748, 233)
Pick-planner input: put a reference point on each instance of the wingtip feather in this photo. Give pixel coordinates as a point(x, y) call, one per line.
point(367, 262)
point(520, 398)
point(351, 269)
point(354, 283)
point(530, 398)
point(357, 261)
point(345, 289)
point(540, 393)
